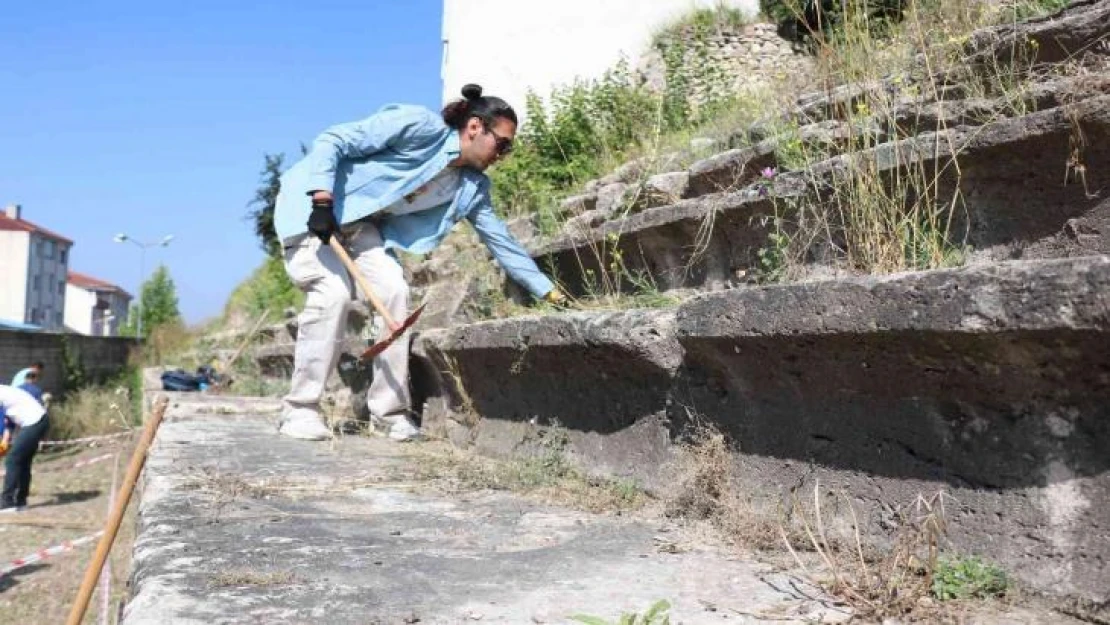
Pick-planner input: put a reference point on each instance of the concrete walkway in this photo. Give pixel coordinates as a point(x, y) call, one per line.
point(239, 525)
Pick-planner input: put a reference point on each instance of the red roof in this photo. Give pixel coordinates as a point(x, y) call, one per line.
point(90, 283)
point(22, 225)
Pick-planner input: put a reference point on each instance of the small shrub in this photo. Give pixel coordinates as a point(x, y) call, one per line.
point(74, 375)
point(655, 615)
point(565, 141)
point(968, 578)
point(582, 128)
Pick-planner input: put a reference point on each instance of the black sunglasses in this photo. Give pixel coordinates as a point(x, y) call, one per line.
point(504, 144)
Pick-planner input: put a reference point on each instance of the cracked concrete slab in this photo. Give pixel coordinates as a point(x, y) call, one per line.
point(239, 525)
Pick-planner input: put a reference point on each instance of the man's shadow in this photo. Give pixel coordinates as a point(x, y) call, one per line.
point(10, 580)
point(64, 498)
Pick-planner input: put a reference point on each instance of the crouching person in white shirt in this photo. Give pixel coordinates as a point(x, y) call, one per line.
point(29, 418)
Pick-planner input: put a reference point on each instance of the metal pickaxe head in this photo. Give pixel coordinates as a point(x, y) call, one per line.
point(380, 346)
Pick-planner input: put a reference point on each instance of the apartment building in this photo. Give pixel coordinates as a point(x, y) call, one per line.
point(34, 264)
point(93, 306)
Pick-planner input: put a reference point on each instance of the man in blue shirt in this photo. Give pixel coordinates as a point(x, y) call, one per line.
point(398, 180)
point(31, 386)
point(21, 377)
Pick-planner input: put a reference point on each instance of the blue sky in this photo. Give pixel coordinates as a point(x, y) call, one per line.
point(152, 118)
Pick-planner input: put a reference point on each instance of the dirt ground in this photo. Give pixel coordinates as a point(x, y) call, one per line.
point(66, 503)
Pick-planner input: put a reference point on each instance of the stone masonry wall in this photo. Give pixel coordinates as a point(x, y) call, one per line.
point(749, 57)
point(101, 357)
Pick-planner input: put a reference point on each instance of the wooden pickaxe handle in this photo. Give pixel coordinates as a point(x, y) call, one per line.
point(353, 269)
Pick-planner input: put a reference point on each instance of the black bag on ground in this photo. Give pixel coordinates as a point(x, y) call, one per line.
point(179, 380)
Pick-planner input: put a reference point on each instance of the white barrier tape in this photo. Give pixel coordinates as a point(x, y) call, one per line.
point(85, 463)
point(87, 439)
point(42, 554)
point(78, 465)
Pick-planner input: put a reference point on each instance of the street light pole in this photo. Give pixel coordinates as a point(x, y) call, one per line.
point(121, 238)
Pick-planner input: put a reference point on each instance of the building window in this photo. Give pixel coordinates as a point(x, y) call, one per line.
point(63, 254)
point(36, 284)
point(58, 319)
point(34, 315)
point(61, 287)
point(49, 249)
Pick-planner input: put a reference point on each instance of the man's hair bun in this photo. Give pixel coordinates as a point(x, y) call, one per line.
point(472, 91)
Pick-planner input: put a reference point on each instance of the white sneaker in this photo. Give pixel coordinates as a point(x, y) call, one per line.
point(306, 428)
point(398, 428)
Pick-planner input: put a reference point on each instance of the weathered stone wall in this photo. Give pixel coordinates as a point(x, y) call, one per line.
point(100, 357)
point(748, 58)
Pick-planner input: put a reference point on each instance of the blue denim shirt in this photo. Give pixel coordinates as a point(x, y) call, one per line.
point(20, 377)
point(370, 164)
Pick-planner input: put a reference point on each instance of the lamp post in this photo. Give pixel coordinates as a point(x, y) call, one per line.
point(122, 238)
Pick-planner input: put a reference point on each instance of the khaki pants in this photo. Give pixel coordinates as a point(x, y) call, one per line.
point(317, 271)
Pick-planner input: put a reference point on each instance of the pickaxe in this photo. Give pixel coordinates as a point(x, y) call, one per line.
point(396, 330)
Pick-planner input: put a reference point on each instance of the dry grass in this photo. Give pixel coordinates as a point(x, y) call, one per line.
point(249, 577)
point(548, 477)
point(222, 487)
point(165, 343)
point(93, 411)
point(705, 489)
point(890, 583)
point(468, 414)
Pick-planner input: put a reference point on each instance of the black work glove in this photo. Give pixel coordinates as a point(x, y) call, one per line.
point(321, 221)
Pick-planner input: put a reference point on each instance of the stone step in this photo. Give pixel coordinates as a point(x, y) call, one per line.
point(632, 189)
point(1073, 35)
point(1077, 35)
point(1083, 27)
point(991, 383)
point(744, 153)
point(1022, 196)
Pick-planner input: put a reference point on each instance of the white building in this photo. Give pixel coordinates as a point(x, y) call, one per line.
point(33, 266)
point(94, 307)
point(511, 46)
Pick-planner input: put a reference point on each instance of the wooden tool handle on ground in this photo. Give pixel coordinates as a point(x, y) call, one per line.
point(111, 526)
point(353, 269)
point(246, 341)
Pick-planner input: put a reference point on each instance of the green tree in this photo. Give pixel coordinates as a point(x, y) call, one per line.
point(268, 288)
point(262, 206)
point(159, 304)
